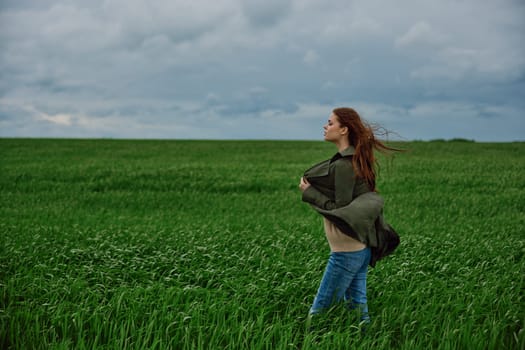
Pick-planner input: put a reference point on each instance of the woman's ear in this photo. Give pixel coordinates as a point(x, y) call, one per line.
point(344, 130)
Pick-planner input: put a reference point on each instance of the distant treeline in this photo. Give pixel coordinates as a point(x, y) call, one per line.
point(456, 139)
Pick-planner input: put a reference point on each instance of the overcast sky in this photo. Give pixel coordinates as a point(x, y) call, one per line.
point(266, 69)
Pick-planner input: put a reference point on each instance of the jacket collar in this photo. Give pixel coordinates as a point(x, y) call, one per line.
point(350, 150)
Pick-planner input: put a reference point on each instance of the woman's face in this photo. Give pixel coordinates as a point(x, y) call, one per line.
point(333, 131)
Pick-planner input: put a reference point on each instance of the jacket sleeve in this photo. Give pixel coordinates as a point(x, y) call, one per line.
point(344, 180)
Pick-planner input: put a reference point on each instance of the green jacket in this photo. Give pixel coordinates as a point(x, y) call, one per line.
point(348, 202)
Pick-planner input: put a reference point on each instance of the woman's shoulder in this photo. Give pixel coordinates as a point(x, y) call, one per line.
point(343, 163)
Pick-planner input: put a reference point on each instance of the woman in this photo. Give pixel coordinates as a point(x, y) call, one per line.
point(343, 190)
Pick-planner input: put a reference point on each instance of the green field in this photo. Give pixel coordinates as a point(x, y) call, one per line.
point(126, 244)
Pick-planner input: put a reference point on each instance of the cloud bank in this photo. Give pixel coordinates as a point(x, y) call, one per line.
point(231, 69)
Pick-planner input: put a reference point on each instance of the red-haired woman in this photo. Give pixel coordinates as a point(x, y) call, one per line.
point(343, 190)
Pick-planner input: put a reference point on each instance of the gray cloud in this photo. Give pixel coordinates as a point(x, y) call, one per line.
point(265, 13)
point(167, 69)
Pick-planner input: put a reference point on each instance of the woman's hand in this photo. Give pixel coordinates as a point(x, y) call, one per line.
point(304, 184)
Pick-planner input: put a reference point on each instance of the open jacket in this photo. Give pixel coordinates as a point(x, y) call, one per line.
point(348, 202)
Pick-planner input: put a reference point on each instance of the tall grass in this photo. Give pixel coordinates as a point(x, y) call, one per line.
point(206, 245)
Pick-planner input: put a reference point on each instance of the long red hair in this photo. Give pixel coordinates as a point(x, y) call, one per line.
point(361, 136)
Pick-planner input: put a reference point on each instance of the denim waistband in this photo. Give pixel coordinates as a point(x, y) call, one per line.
point(357, 252)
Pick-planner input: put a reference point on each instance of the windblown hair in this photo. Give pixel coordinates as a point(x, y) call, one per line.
point(362, 136)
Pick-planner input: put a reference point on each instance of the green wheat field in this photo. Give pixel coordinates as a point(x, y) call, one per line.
point(149, 244)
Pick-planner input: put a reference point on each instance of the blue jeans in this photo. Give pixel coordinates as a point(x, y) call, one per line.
point(344, 279)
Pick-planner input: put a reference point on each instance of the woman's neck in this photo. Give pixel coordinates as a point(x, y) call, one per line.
point(342, 145)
